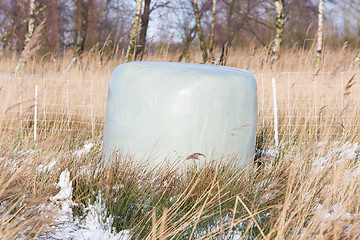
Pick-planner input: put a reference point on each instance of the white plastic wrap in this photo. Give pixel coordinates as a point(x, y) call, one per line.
point(157, 109)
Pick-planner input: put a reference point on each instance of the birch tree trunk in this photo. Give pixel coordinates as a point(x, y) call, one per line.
point(275, 49)
point(31, 22)
point(145, 16)
point(134, 33)
point(12, 26)
point(320, 34)
point(212, 34)
point(28, 36)
point(200, 32)
point(230, 12)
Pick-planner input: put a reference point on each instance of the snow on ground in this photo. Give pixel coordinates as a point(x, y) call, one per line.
point(50, 165)
point(96, 225)
point(86, 149)
point(335, 215)
point(335, 212)
point(323, 156)
point(65, 195)
point(336, 155)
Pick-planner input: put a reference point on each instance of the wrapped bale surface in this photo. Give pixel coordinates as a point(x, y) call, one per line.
point(159, 109)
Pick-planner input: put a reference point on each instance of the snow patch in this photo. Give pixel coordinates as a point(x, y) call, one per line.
point(95, 225)
point(268, 153)
point(86, 149)
point(64, 197)
point(336, 215)
point(336, 155)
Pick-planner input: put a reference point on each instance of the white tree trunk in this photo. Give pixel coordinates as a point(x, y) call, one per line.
point(212, 34)
point(31, 22)
point(273, 53)
point(203, 47)
point(134, 33)
point(320, 35)
point(28, 36)
point(279, 29)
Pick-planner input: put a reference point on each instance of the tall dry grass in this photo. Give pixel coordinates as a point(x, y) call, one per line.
point(314, 101)
point(308, 190)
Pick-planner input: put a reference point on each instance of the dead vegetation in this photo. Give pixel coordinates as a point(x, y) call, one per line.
point(307, 189)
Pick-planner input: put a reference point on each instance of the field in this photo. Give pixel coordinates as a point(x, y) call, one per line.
point(305, 187)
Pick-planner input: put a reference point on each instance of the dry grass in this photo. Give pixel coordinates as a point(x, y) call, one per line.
point(78, 98)
point(309, 190)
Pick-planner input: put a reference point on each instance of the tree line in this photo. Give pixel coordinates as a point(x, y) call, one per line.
point(79, 25)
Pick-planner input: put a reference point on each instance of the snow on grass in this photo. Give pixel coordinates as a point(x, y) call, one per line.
point(86, 149)
point(64, 197)
point(335, 215)
point(335, 212)
point(347, 151)
point(336, 155)
point(96, 223)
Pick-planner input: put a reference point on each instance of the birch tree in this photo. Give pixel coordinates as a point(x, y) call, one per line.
point(134, 33)
point(31, 22)
point(320, 33)
point(28, 36)
point(144, 24)
point(200, 32)
point(145, 17)
point(275, 49)
point(212, 34)
point(15, 23)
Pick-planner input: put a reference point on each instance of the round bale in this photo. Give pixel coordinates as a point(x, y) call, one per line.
point(195, 111)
